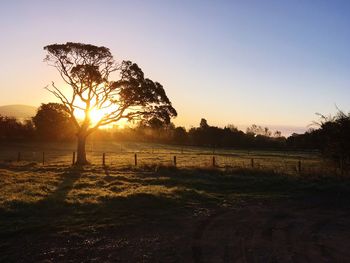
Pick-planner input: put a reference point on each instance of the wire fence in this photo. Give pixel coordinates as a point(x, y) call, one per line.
point(282, 163)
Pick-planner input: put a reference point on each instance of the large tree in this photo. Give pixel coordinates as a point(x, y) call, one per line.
point(87, 70)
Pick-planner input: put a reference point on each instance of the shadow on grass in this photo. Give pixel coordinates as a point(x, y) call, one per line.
point(189, 188)
point(56, 213)
point(235, 181)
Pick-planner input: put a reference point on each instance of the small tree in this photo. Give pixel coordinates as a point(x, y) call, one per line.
point(203, 124)
point(258, 130)
point(334, 135)
point(12, 129)
point(53, 122)
point(87, 69)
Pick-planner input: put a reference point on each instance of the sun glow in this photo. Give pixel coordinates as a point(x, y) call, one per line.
point(96, 115)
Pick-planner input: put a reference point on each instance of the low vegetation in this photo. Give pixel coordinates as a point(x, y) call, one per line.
point(51, 124)
point(60, 213)
point(121, 155)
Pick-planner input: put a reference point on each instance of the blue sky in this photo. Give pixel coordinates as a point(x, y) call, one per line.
point(272, 63)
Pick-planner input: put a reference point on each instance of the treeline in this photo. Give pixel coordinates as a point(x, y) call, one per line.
point(332, 137)
point(13, 130)
point(53, 123)
point(203, 135)
point(49, 125)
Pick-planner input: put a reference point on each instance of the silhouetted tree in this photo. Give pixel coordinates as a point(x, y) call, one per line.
point(335, 136)
point(53, 122)
point(310, 140)
point(258, 130)
point(87, 69)
point(332, 137)
point(180, 135)
point(277, 134)
point(12, 129)
point(232, 127)
point(156, 123)
point(203, 124)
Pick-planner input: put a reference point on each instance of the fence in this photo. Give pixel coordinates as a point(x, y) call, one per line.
point(285, 163)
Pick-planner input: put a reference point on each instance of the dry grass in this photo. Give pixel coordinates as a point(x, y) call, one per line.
point(145, 214)
point(121, 155)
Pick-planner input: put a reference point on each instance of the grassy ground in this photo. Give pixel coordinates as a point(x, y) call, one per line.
point(122, 155)
point(57, 213)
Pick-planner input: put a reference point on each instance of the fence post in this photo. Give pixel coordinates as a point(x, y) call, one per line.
point(174, 160)
point(43, 158)
point(73, 159)
point(252, 162)
point(103, 159)
point(214, 164)
point(19, 156)
point(135, 157)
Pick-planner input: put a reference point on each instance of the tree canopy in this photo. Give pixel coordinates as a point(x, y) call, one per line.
point(87, 69)
point(53, 122)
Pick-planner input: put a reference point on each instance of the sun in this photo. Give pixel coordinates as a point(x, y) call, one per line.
point(96, 115)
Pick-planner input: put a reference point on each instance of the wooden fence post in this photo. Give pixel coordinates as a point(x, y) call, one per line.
point(43, 158)
point(73, 159)
point(214, 164)
point(135, 159)
point(174, 160)
point(103, 159)
point(19, 157)
point(252, 162)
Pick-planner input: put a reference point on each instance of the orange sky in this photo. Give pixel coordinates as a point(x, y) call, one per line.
point(230, 63)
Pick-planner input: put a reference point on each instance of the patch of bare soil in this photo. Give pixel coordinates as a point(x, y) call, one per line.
point(283, 232)
point(252, 231)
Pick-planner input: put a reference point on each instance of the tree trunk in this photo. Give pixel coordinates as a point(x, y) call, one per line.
point(81, 153)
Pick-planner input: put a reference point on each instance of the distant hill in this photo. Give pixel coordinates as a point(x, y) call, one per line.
point(20, 112)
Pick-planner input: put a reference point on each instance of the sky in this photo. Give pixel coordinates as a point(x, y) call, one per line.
point(273, 63)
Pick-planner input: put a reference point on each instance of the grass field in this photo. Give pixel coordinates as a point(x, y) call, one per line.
point(152, 213)
point(122, 155)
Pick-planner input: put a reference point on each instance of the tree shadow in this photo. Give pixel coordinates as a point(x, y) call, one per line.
point(207, 181)
point(130, 216)
point(189, 188)
point(69, 176)
point(55, 211)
